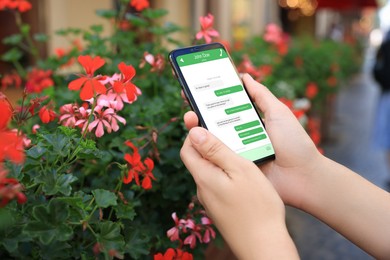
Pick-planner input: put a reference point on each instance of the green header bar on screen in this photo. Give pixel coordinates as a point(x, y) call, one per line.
point(201, 56)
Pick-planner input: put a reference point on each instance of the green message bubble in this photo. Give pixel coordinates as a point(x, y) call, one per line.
point(251, 132)
point(237, 109)
point(227, 91)
point(259, 152)
point(254, 139)
point(247, 125)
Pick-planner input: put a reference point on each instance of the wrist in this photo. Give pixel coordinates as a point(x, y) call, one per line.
point(270, 241)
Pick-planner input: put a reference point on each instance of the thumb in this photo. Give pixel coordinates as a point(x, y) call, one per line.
point(213, 150)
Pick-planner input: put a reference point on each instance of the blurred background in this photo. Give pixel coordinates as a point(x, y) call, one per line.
point(347, 115)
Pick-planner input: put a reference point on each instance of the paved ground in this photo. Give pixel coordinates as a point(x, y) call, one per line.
point(350, 145)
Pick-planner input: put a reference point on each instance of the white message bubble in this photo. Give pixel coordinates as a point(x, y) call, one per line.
point(228, 121)
point(211, 105)
point(209, 85)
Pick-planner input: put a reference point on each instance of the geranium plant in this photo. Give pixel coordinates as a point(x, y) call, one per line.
point(89, 159)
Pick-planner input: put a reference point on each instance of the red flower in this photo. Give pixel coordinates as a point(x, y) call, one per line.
point(173, 254)
point(311, 90)
point(124, 84)
point(88, 83)
point(38, 80)
point(139, 5)
point(11, 80)
point(246, 66)
point(21, 5)
point(10, 189)
point(138, 168)
point(11, 146)
point(6, 113)
point(35, 103)
point(313, 127)
point(207, 31)
point(46, 115)
point(332, 81)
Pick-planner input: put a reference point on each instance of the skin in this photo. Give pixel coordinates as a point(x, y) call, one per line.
point(246, 202)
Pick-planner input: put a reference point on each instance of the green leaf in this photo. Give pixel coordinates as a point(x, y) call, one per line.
point(59, 142)
point(104, 198)
point(63, 183)
point(97, 28)
point(49, 223)
point(13, 54)
point(36, 152)
point(110, 236)
point(40, 37)
point(65, 32)
point(136, 20)
point(76, 202)
point(6, 219)
point(53, 182)
point(154, 13)
point(136, 243)
point(13, 39)
point(56, 250)
point(107, 13)
point(125, 211)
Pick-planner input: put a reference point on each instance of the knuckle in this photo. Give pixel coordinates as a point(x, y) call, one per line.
point(182, 153)
point(213, 149)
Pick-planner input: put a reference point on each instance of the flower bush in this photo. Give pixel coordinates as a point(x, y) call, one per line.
point(89, 160)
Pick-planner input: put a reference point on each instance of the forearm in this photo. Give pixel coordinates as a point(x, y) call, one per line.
point(271, 241)
point(351, 205)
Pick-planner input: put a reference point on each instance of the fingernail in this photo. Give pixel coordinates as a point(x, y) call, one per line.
point(198, 135)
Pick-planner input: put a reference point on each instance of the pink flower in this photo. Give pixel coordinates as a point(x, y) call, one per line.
point(113, 100)
point(191, 239)
point(275, 35)
point(105, 118)
point(83, 118)
point(69, 115)
point(173, 233)
point(157, 62)
point(35, 128)
point(207, 31)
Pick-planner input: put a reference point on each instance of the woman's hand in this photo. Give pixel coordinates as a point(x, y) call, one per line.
point(241, 201)
point(296, 155)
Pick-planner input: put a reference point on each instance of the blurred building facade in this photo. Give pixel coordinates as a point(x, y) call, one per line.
point(236, 20)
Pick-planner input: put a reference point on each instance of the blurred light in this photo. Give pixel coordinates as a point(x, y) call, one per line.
point(292, 3)
point(376, 37)
point(283, 3)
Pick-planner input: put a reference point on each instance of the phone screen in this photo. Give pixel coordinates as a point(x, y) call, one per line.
point(216, 93)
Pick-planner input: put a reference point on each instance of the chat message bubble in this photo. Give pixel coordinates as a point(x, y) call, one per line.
point(228, 121)
point(209, 85)
point(211, 105)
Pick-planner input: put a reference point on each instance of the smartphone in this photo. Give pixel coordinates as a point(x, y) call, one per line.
point(216, 93)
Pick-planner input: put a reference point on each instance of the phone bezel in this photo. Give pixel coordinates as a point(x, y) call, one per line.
point(187, 92)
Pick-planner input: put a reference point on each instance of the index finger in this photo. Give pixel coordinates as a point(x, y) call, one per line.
point(261, 95)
